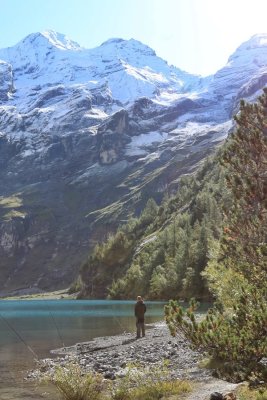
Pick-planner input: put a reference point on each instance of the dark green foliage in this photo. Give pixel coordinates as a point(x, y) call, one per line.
point(245, 161)
point(102, 264)
point(235, 333)
point(110, 260)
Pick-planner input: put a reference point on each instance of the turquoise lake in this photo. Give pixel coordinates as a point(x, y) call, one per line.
point(43, 325)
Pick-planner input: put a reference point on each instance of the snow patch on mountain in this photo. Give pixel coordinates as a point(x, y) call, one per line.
point(194, 130)
point(140, 144)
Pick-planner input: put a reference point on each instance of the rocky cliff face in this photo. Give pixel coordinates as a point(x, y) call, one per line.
point(87, 136)
point(6, 81)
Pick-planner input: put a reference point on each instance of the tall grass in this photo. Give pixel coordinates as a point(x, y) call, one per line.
point(73, 384)
point(245, 393)
point(149, 383)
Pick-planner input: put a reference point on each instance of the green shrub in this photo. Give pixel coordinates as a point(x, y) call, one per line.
point(73, 384)
point(238, 340)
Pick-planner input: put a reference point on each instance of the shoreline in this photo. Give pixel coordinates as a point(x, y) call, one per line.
point(110, 356)
point(61, 294)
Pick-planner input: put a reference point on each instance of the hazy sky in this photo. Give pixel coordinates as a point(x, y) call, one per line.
point(197, 36)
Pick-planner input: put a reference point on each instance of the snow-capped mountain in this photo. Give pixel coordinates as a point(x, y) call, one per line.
point(88, 135)
point(129, 68)
point(246, 65)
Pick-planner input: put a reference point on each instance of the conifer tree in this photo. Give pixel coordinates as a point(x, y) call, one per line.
point(245, 161)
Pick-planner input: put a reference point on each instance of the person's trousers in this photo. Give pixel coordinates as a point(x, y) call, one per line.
point(140, 327)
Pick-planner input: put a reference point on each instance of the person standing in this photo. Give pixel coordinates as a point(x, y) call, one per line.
point(139, 311)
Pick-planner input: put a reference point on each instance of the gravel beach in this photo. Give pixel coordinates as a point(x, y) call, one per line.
point(110, 356)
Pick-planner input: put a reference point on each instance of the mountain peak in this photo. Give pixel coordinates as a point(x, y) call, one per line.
point(132, 45)
point(112, 41)
point(258, 40)
point(251, 52)
point(58, 40)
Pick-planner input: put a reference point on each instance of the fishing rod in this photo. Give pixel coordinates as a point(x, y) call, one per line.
point(57, 329)
point(36, 358)
point(119, 323)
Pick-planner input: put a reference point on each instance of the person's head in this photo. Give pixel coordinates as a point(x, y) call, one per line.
point(139, 298)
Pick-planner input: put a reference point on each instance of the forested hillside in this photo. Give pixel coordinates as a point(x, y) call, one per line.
point(163, 253)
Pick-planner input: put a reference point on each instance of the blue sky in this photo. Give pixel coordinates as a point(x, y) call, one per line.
point(195, 35)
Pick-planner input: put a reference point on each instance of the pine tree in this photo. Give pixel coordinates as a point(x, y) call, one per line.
point(245, 161)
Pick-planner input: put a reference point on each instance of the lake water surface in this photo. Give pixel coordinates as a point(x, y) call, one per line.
point(38, 326)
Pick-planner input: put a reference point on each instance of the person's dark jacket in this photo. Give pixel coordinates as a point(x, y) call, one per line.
point(139, 311)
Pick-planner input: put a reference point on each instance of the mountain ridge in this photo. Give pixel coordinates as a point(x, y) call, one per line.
point(93, 65)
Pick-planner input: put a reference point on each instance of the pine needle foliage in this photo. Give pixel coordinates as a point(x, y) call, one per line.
point(245, 162)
